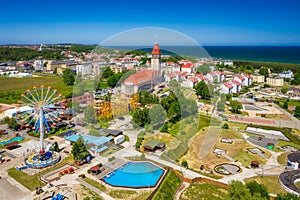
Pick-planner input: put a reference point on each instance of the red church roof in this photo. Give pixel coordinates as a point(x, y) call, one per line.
point(156, 50)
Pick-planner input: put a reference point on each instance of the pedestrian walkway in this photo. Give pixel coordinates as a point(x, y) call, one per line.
point(102, 194)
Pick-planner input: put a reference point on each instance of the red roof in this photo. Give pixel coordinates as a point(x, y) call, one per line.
point(187, 65)
point(95, 168)
point(200, 76)
point(194, 80)
point(180, 73)
point(141, 76)
point(235, 82)
point(156, 50)
point(241, 77)
point(247, 75)
point(228, 85)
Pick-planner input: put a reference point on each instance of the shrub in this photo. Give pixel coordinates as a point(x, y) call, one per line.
point(164, 128)
point(81, 175)
point(225, 126)
point(126, 138)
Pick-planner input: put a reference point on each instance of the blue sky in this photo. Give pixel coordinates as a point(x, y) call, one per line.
point(211, 22)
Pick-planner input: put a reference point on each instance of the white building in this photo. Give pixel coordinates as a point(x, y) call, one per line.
point(286, 74)
point(20, 75)
point(228, 62)
point(12, 112)
point(226, 88)
point(84, 69)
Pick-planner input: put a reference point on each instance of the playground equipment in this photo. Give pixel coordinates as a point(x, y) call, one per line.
point(45, 104)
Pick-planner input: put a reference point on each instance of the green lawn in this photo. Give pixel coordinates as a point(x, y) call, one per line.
point(30, 182)
point(168, 187)
point(12, 88)
point(203, 191)
point(271, 182)
point(95, 184)
point(282, 158)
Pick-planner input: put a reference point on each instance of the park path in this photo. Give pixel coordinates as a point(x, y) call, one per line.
point(181, 189)
point(102, 194)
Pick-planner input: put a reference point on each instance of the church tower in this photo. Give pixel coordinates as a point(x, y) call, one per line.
point(156, 58)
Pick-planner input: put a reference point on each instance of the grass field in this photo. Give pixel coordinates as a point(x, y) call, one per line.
point(30, 182)
point(203, 191)
point(18, 86)
point(271, 182)
point(168, 187)
point(281, 159)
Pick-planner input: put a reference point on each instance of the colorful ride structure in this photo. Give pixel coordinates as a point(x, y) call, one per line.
point(45, 104)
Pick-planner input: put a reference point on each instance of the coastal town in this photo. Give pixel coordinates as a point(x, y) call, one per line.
point(88, 122)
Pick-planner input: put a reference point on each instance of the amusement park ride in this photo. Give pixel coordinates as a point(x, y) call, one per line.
point(45, 104)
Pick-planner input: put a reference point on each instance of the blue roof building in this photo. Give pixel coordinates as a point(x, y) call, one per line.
point(96, 142)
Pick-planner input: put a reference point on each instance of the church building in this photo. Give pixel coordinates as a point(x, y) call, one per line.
point(144, 79)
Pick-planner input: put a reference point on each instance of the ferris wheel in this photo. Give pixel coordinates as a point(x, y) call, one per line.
point(39, 109)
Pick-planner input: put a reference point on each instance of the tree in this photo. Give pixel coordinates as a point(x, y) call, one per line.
point(90, 115)
point(285, 104)
point(107, 72)
point(202, 90)
point(225, 126)
point(284, 89)
point(264, 71)
point(68, 77)
point(55, 147)
point(141, 117)
point(297, 111)
point(146, 98)
point(112, 81)
point(185, 164)
point(204, 69)
point(157, 115)
point(228, 97)
point(286, 196)
point(237, 191)
point(258, 189)
point(235, 106)
point(13, 124)
point(164, 128)
point(79, 149)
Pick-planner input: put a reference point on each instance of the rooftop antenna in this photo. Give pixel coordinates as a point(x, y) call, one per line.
point(156, 40)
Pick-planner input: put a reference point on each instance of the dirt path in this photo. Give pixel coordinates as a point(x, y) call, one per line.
point(181, 189)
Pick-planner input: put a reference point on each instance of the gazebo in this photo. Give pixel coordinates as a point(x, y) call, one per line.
point(95, 169)
point(254, 164)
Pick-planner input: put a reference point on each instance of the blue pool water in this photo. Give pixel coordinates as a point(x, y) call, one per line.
point(14, 139)
point(135, 175)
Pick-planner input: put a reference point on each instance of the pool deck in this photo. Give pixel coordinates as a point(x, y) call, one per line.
point(111, 166)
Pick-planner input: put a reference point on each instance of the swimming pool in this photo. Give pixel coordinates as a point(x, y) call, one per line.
point(135, 175)
point(14, 139)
